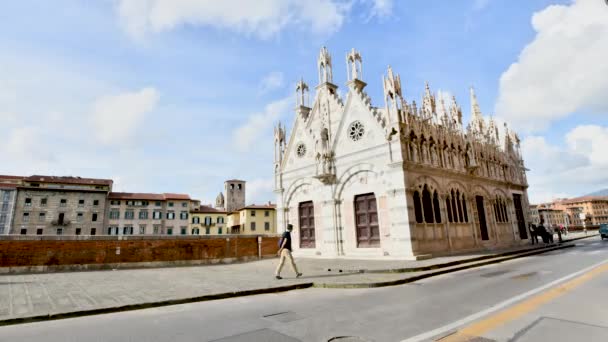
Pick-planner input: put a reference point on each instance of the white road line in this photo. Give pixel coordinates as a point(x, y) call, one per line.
point(595, 252)
point(452, 326)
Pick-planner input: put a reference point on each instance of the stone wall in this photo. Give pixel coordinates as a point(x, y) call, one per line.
point(42, 254)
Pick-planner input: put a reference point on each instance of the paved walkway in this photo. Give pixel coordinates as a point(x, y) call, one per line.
point(53, 293)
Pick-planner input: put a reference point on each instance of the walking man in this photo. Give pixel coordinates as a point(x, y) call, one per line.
point(285, 253)
point(533, 233)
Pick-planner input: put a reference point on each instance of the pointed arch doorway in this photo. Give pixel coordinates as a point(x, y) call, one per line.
point(481, 213)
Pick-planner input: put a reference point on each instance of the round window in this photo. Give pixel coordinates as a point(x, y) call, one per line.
point(356, 130)
point(301, 150)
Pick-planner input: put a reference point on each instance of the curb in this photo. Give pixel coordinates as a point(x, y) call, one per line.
point(466, 261)
point(436, 273)
point(452, 263)
point(149, 305)
point(582, 237)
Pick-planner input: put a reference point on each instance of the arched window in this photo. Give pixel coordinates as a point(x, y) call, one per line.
point(454, 210)
point(207, 220)
point(417, 207)
point(460, 217)
point(500, 210)
point(220, 219)
point(464, 208)
point(436, 207)
point(457, 207)
point(427, 205)
point(448, 206)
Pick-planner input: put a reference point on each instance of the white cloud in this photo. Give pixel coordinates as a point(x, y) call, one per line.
point(261, 18)
point(7, 118)
point(22, 141)
point(115, 118)
point(590, 140)
point(260, 191)
point(272, 81)
point(574, 168)
point(260, 124)
point(380, 8)
point(563, 70)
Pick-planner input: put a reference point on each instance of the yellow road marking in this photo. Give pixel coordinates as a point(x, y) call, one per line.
point(485, 325)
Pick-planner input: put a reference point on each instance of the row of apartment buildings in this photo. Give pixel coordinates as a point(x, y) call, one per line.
point(49, 205)
point(588, 210)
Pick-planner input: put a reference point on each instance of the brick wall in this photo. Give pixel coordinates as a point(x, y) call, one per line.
point(48, 253)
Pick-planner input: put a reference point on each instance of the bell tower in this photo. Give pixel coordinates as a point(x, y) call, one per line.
point(219, 201)
point(235, 194)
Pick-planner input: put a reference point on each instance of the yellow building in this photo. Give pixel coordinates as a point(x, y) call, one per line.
point(253, 220)
point(208, 221)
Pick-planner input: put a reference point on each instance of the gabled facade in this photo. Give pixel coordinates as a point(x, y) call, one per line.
point(397, 181)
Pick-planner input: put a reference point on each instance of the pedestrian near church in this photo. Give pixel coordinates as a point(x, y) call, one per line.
point(533, 233)
point(285, 253)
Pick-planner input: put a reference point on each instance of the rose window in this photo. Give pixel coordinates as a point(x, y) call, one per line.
point(356, 130)
point(301, 150)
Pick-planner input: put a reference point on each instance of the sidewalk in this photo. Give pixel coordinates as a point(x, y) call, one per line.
point(32, 296)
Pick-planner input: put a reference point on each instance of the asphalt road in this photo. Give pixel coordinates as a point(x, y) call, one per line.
point(432, 308)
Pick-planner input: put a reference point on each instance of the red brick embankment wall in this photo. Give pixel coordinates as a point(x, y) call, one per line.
point(43, 254)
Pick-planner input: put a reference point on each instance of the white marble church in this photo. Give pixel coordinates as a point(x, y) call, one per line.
point(396, 181)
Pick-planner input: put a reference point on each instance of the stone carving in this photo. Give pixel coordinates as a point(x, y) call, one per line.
point(356, 131)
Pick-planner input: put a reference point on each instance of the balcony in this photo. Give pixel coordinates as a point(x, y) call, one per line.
point(62, 223)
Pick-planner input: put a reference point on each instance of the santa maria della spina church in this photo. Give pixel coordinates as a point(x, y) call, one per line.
point(404, 180)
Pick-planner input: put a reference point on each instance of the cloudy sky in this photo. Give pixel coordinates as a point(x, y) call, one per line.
point(179, 95)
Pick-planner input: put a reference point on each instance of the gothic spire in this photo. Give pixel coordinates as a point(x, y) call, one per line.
point(354, 67)
point(428, 102)
point(456, 112)
point(324, 65)
point(477, 123)
point(443, 113)
point(302, 96)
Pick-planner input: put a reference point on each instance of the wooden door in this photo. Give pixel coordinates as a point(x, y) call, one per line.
point(366, 216)
point(481, 213)
point(306, 212)
point(519, 214)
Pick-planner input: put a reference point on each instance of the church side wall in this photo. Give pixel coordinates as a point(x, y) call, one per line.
point(465, 234)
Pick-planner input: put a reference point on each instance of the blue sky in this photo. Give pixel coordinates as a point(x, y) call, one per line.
point(177, 96)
